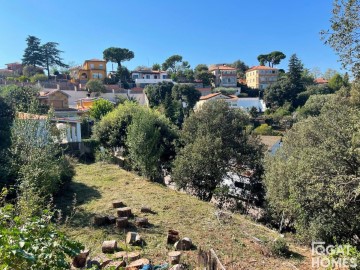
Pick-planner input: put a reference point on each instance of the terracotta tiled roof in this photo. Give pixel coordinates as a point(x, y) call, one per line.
point(261, 68)
point(221, 68)
point(213, 95)
point(320, 81)
point(96, 60)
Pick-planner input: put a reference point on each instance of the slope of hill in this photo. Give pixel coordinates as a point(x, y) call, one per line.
point(97, 185)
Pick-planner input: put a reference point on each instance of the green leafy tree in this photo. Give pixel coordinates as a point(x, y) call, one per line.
point(344, 34)
point(216, 143)
point(156, 93)
point(33, 55)
point(150, 142)
point(51, 56)
point(241, 68)
point(273, 58)
point(118, 55)
point(202, 73)
point(336, 82)
point(264, 129)
point(95, 86)
point(156, 66)
point(313, 106)
point(173, 63)
point(263, 59)
point(100, 108)
point(312, 181)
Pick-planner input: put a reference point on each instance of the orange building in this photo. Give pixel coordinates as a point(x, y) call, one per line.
point(91, 69)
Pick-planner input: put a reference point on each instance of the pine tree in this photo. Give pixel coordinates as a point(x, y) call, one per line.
point(51, 56)
point(32, 54)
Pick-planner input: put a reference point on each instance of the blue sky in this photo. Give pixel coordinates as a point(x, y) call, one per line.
point(201, 31)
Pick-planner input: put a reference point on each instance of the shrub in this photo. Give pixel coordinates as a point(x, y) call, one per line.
point(278, 247)
point(38, 77)
point(23, 78)
point(264, 129)
point(33, 243)
point(100, 108)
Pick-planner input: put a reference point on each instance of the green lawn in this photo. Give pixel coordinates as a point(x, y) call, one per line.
point(97, 185)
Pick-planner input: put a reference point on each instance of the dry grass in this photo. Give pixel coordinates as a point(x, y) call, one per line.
point(96, 186)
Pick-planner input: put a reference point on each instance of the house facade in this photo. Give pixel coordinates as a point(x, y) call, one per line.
point(91, 69)
point(57, 99)
point(225, 76)
point(260, 77)
point(143, 77)
point(233, 101)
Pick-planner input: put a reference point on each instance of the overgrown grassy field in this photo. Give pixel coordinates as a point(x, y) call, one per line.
point(97, 185)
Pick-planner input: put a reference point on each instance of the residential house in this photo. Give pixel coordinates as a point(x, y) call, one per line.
point(91, 69)
point(225, 76)
point(260, 77)
point(12, 69)
point(55, 98)
point(321, 81)
point(143, 77)
point(233, 101)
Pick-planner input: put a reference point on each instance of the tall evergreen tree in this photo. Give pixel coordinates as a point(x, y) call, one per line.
point(51, 56)
point(32, 54)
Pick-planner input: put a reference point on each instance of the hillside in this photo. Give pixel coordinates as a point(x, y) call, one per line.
point(96, 186)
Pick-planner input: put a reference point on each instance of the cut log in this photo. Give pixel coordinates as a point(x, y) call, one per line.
point(173, 237)
point(133, 238)
point(183, 244)
point(115, 265)
point(111, 219)
point(122, 222)
point(79, 261)
point(109, 246)
point(124, 212)
point(145, 209)
point(174, 257)
point(100, 220)
point(132, 256)
point(142, 222)
point(118, 204)
point(100, 261)
point(138, 264)
point(119, 255)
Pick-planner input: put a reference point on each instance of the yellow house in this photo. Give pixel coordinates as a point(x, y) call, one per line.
point(260, 77)
point(91, 69)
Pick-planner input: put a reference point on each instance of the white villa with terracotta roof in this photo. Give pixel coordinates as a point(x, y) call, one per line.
point(233, 101)
point(260, 77)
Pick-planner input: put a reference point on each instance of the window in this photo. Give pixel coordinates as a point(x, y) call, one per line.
point(155, 77)
point(97, 76)
point(135, 76)
point(164, 76)
point(92, 66)
point(147, 76)
point(101, 66)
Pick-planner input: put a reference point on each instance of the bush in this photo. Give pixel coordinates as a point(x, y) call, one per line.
point(278, 247)
point(38, 77)
point(23, 78)
point(100, 108)
point(33, 243)
point(264, 129)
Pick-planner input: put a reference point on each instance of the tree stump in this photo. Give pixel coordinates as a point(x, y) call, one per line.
point(100, 220)
point(118, 204)
point(133, 238)
point(183, 244)
point(142, 222)
point(115, 265)
point(174, 257)
point(100, 261)
point(145, 209)
point(119, 255)
point(138, 263)
point(79, 261)
point(124, 212)
point(109, 246)
point(122, 222)
point(132, 256)
point(111, 219)
point(173, 237)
